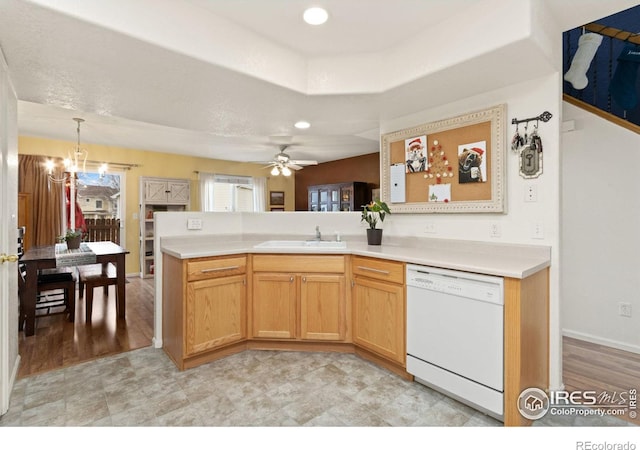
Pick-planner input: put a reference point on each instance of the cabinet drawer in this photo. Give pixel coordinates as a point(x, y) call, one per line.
point(204, 269)
point(379, 269)
point(299, 263)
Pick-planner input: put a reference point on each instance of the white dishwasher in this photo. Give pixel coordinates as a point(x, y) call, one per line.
point(455, 340)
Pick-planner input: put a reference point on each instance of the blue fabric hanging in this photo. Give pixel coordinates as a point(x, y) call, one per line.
point(623, 84)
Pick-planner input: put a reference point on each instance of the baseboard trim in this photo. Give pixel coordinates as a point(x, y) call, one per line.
point(601, 341)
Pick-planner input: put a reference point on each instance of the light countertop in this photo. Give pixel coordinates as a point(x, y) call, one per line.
point(506, 260)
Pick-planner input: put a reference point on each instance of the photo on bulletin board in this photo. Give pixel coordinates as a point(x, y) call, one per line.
point(464, 165)
point(472, 165)
point(416, 154)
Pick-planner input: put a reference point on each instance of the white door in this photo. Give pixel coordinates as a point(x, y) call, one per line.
point(8, 236)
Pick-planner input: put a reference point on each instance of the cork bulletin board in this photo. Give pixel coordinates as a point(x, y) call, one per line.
point(452, 165)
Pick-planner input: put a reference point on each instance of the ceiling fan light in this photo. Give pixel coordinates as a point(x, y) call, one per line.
point(275, 172)
point(286, 171)
point(302, 125)
point(315, 16)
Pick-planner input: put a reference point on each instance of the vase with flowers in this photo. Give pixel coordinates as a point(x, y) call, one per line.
point(372, 213)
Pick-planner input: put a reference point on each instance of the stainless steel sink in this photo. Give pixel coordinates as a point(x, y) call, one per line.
point(310, 244)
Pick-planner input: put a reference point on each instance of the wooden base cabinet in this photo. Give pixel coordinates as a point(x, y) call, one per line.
point(323, 307)
point(299, 305)
point(379, 307)
point(215, 312)
point(204, 306)
point(274, 306)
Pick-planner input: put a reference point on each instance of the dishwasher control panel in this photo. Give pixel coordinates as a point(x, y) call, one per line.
point(479, 287)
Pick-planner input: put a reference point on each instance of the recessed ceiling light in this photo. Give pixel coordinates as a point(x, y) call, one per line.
point(315, 16)
point(302, 125)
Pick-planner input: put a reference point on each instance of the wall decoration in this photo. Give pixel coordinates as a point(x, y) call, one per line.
point(416, 155)
point(472, 167)
point(439, 166)
point(276, 198)
point(529, 146)
point(440, 193)
point(441, 188)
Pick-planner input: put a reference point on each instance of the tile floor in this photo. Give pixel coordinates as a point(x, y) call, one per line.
point(253, 388)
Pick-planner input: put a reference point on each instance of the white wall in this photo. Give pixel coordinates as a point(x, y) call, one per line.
point(600, 231)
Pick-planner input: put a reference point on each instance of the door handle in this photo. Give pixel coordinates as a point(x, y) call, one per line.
point(8, 258)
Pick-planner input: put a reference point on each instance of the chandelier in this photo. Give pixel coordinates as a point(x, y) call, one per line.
point(75, 162)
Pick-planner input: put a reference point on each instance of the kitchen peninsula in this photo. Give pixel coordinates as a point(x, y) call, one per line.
point(222, 294)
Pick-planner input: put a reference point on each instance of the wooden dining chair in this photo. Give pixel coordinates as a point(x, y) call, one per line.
point(93, 276)
point(98, 275)
point(56, 290)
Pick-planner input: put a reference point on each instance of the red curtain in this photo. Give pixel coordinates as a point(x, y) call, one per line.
point(80, 222)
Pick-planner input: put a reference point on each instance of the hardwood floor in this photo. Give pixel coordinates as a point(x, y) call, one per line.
point(58, 343)
point(594, 367)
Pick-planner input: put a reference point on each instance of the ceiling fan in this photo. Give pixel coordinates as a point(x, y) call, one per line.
point(282, 163)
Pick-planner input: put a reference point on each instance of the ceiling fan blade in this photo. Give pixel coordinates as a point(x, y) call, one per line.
point(294, 166)
point(302, 162)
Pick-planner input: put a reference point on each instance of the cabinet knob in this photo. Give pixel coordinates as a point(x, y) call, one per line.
point(291, 279)
point(304, 279)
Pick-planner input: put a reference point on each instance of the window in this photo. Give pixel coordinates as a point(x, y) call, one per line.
point(100, 197)
point(231, 193)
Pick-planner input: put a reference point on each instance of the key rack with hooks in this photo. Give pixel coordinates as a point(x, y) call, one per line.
point(529, 146)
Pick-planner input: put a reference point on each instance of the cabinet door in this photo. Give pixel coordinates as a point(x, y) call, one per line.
point(314, 199)
point(215, 313)
point(346, 198)
point(325, 203)
point(378, 318)
point(323, 307)
point(178, 192)
point(274, 306)
point(155, 192)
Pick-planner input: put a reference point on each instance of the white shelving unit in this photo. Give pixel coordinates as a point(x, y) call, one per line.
point(158, 194)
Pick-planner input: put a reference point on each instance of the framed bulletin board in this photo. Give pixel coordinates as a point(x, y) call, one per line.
point(456, 165)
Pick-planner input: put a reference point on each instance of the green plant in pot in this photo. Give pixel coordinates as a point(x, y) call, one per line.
point(72, 238)
point(373, 213)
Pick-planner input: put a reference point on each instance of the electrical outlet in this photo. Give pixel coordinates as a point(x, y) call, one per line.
point(531, 193)
point(624, 309)
point(495, 230)
point(537, 231)
point(430, 228)
point(194, 224)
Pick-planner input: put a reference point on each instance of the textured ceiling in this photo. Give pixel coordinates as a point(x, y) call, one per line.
point(221, 78)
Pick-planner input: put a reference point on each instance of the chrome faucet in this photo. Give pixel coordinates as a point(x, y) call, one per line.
point(318, 234)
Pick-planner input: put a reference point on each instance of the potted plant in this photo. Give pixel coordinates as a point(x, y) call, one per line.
point(72, 238)
point(372, 213)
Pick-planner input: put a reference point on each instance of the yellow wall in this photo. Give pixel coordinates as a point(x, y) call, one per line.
point(155, 164)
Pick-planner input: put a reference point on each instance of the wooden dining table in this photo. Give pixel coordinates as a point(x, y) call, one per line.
point(37, 258)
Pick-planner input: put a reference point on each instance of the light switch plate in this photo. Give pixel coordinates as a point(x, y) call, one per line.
point(194, 224)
